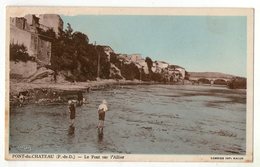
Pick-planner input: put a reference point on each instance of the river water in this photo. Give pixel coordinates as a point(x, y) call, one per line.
point(142, 119)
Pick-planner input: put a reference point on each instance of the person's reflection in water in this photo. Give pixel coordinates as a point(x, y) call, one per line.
point(100, 135)
point(71, 135)
point(71, 130)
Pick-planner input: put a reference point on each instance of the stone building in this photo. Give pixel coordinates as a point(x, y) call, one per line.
point(178, 70)
point(135, 57)
point(141, 64)
point(159, 66)
point(26, 31)
point(53, 21)
point(108, 50)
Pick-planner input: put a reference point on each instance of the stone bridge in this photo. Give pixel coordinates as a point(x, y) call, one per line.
point(210, 80)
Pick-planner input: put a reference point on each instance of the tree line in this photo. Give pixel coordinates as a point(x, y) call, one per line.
point(74, 57)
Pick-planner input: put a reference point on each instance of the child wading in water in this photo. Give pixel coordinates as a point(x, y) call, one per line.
point(102, 109)
point(72, 111)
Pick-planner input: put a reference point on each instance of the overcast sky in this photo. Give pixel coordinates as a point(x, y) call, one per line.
point(197, 43)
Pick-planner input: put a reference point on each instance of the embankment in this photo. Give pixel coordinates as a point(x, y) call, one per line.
point(58, 92)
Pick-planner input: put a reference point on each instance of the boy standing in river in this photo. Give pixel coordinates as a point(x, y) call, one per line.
point(80, 98)
point(102, 109)
point(72, 111)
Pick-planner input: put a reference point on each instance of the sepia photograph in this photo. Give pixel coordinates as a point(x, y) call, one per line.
point(129, 84)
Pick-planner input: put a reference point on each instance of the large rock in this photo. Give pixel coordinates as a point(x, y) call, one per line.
point(40, 74)
point(22, 69)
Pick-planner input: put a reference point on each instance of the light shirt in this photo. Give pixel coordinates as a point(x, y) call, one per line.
point(102, 107)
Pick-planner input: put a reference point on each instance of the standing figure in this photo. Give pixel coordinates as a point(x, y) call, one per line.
point(80, 98)
point(21, 99)
point(102, 109)
point(55, 76)
point(72, 111)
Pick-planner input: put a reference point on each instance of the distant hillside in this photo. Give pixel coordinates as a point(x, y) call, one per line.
point(210, 74)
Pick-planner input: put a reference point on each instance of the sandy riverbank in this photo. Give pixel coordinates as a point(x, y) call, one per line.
point(52, 93)
point(16, 87)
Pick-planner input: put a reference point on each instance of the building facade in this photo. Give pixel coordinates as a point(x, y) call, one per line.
point(52, 21)
point(27, 31)
point(159, 66)
point(108, 50)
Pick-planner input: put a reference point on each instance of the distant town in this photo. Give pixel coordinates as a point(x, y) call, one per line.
point(40, 49)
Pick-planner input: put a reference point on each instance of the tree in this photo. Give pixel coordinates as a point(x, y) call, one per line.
point(157, 77)
point(19, 53)
point(149, 63)
point(114, 59)
point(68, 31)
point(80, 38)
point(72, 52)
point(237, 83)
point(104, 63)
point(130, 71)
point(187, 75)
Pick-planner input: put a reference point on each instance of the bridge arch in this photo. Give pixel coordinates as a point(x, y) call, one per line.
point(220, 82)
point(204, 81)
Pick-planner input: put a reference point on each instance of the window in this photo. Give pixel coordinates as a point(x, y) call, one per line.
point(35, 42)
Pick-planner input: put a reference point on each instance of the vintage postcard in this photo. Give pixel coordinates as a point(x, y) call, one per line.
point(129, 84)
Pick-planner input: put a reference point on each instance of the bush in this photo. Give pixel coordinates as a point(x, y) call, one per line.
point(157, 77)
point(130, 71)
point(19, 53)
point(237, 83)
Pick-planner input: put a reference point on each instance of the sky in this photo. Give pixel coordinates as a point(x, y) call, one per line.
point(197, 43)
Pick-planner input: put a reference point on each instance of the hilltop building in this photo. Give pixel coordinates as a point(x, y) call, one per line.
point(178, 71)
point(159, 66)
point(139, 62)
point(108, 50)
point(135, 57)
point(53, 21)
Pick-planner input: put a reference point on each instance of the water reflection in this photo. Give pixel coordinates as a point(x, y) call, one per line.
point(71, 130)
point(100, 135)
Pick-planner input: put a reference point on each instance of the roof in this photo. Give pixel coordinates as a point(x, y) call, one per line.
point(175, 66)
point(107, 47)
point(162, 62)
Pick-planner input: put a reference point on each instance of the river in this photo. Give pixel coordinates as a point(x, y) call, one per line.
point(142, 119)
